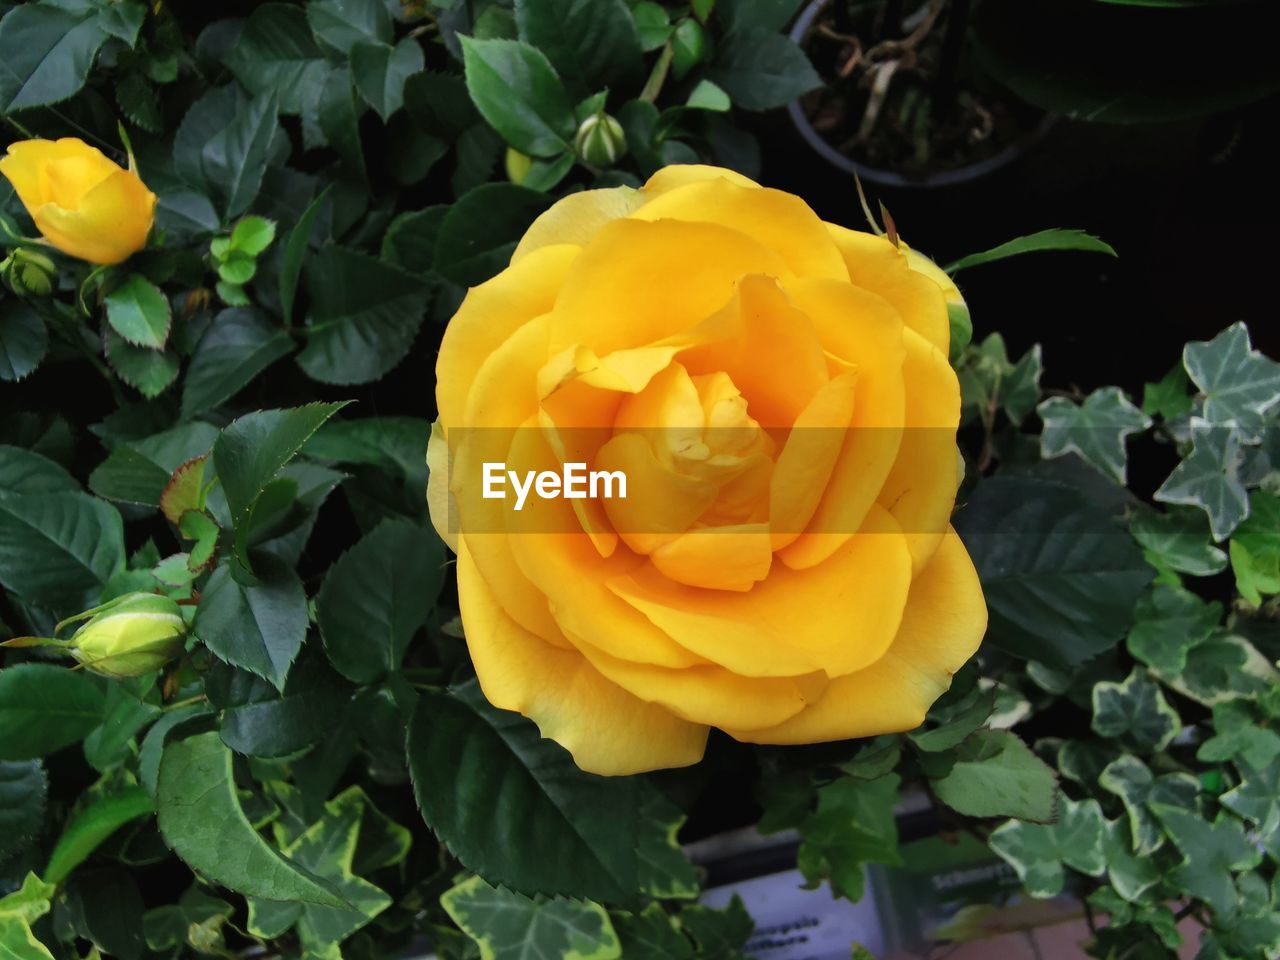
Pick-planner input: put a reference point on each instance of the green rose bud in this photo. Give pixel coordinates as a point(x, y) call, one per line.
point(518, 165)
point(30, 273)
point(130, 636)
point(600, 140)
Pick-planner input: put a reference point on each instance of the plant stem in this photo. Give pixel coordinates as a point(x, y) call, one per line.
point(653, 86)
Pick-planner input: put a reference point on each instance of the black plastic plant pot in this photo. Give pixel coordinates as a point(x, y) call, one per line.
point(892, 178)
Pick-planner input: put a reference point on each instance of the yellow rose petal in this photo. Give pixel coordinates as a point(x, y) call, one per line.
point(781, 220)
point(877, 265)
point(920, 490)
point(608, 731)
point(718, 558)
point(941, 629)
point(852, 604)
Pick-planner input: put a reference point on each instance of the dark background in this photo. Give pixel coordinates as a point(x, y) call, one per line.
point(1191, 209)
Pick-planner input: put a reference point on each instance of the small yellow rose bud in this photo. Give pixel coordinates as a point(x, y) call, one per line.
point(130, 636)
point(83, 203)
point(518, 165)
point(600, 141)
point(30, 273)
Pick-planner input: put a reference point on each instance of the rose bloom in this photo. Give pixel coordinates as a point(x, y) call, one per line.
point(777, 392)
point(83, 203)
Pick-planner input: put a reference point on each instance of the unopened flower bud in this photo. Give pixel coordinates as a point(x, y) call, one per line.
point(518, 165)
point(600, 141)
point(132, 635)
point(30, 273)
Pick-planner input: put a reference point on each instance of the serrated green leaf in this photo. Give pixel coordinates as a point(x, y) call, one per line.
point(23, 339)
point(139, 312)
point(508, 926)
point(277, 725)
point(277, 54)
point(1169, 623)
point(516, 89)
point(1060, 582)
point(376, 596)
point(259, 627)
point(24, 788)
point(48, 53)
point(653, 24)
point(590, 43)
point(139, 472)
point(341, 24)
point(1255, 548)
point(238, 345)
point(1039, 852)
point(1209, 478)
point(1052, 239)
point(515, 808)
point(295, 251)
point(380, 71)
point(251, 451)
point(25, 471)
point(852, 827)
point(1135, 712)
point(147, 370)
point(90, 828)
point(480, 231)
point(1096, 430)
point(252, 235)
point(364, 316)
point(201, 819)
point(224, 142)
point(1240, 385)
point(762, 69)
point(708, 96)
point(59, 549)
point(997, 775)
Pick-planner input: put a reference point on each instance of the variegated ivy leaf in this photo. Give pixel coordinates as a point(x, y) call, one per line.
point(1168, 397)
point(1209, 478)
point(1131, 874)
point(1255, 548)
point(1133, 782)
point(1040, 852)
point(1212, 852)
point(1240, 385)
point(1169, 622)
point(1238, 736)
point(1134, 712)
point(1096, 429)
point(665, 873)
point(1224, 667)
point(510, 926)
point(351, 833)
point(1177, 541)
point(1257, 799)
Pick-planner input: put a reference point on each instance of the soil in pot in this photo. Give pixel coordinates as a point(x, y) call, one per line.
point(901, 94)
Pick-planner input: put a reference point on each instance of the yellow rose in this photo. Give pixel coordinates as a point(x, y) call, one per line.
point(776, 392)
point(82, 202)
